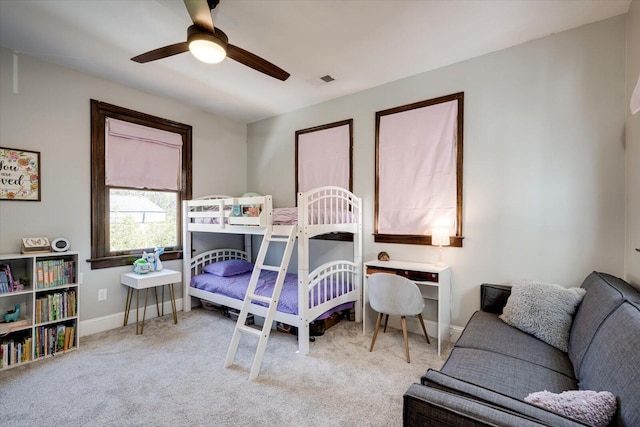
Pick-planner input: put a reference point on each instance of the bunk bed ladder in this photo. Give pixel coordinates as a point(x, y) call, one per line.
point(287, 236)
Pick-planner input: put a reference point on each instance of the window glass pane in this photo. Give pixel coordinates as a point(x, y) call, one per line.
point(142, 219)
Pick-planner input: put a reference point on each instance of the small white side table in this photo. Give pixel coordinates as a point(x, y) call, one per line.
point(146, 281)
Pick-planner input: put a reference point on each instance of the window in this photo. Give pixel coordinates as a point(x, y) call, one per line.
point(419, 171)
point(141, 172)
point(324, 156)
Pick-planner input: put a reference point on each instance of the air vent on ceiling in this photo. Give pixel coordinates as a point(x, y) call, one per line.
point(327, 78)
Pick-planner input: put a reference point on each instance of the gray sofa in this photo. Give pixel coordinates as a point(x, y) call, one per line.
point(494, 366)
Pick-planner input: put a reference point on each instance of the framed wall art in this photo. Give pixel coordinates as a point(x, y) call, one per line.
point(19, 174)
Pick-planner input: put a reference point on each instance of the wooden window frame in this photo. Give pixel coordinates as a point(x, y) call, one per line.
point(414, 239)
point(100, 111)
point(349, 122)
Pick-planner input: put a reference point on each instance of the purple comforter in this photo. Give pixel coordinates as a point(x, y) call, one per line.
point(236, 287)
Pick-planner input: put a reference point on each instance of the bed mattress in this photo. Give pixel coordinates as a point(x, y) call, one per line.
point(236, 287)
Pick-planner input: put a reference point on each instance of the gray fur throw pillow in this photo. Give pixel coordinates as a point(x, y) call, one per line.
point(592, 407)
point(543, 310)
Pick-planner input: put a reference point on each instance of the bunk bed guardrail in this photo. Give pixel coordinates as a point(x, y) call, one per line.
point(224, 211)
point(217, 255)
point(337, 279)
point(334, 207)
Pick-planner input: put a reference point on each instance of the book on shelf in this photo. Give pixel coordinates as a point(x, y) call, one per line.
point(70, 337)
point(67, 335)
point(53, 338)
point(7, 283)
point(56, 306)
point(60, 335)
point(15, 351)
point(4, 284)
point(55, 272)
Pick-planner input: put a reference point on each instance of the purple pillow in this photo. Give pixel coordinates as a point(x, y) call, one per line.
point(229, 267)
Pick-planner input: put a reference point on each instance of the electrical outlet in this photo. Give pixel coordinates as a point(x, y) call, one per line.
point(102, 295)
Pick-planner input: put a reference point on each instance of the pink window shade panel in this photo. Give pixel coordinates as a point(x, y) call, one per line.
point(323, 158)
point(417, 169)
point(142, 157)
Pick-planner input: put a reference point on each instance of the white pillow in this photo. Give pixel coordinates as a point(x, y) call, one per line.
point(594, 408)
point(543, 310)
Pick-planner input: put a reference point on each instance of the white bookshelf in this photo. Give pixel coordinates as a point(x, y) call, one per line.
point(48, 296)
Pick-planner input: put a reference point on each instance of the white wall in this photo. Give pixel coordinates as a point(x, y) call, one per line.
point(544, 182)
point(50, 113)
point(632, 257)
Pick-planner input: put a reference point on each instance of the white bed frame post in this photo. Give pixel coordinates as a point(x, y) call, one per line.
point(186, 258)
point(248, 247)
point(357, 258)
point(303, 277)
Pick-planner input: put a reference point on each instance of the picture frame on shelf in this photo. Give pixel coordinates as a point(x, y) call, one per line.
point(19, 174)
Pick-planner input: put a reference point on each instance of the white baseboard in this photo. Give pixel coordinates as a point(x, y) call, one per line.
point(455, 332)
point(112, 321)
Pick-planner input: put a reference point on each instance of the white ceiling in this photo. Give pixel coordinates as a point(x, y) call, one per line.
point(362, 44)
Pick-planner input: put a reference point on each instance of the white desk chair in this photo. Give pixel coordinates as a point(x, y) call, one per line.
point(394, 295)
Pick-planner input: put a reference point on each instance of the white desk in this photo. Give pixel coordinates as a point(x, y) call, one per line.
point(146, 281)
point(434, 283)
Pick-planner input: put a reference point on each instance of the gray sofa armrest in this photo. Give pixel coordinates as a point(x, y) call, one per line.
point(427, 406)
point(493, 298)
point(498, 401)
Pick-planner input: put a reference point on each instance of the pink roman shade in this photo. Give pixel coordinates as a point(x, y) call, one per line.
point(417, 169)
point(324, 158)
point(142, 157)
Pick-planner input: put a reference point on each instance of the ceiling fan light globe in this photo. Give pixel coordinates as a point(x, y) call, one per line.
point(207, 51)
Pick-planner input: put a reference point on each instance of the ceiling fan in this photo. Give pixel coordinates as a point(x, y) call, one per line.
point(210, 44)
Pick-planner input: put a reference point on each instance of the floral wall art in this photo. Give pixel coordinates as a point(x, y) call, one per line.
point(19, 174)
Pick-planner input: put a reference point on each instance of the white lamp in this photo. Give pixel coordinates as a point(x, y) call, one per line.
point(440, 237)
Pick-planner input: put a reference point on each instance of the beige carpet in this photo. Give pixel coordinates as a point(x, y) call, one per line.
point(173, 375)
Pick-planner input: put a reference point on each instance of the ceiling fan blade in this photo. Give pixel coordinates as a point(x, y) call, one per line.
point(162, 52)
point(255, 62)
point(200, 14)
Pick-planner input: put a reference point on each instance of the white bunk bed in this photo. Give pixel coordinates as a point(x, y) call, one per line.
point(320, 211)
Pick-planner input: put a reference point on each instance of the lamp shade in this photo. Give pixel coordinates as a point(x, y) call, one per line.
point(440, 236)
